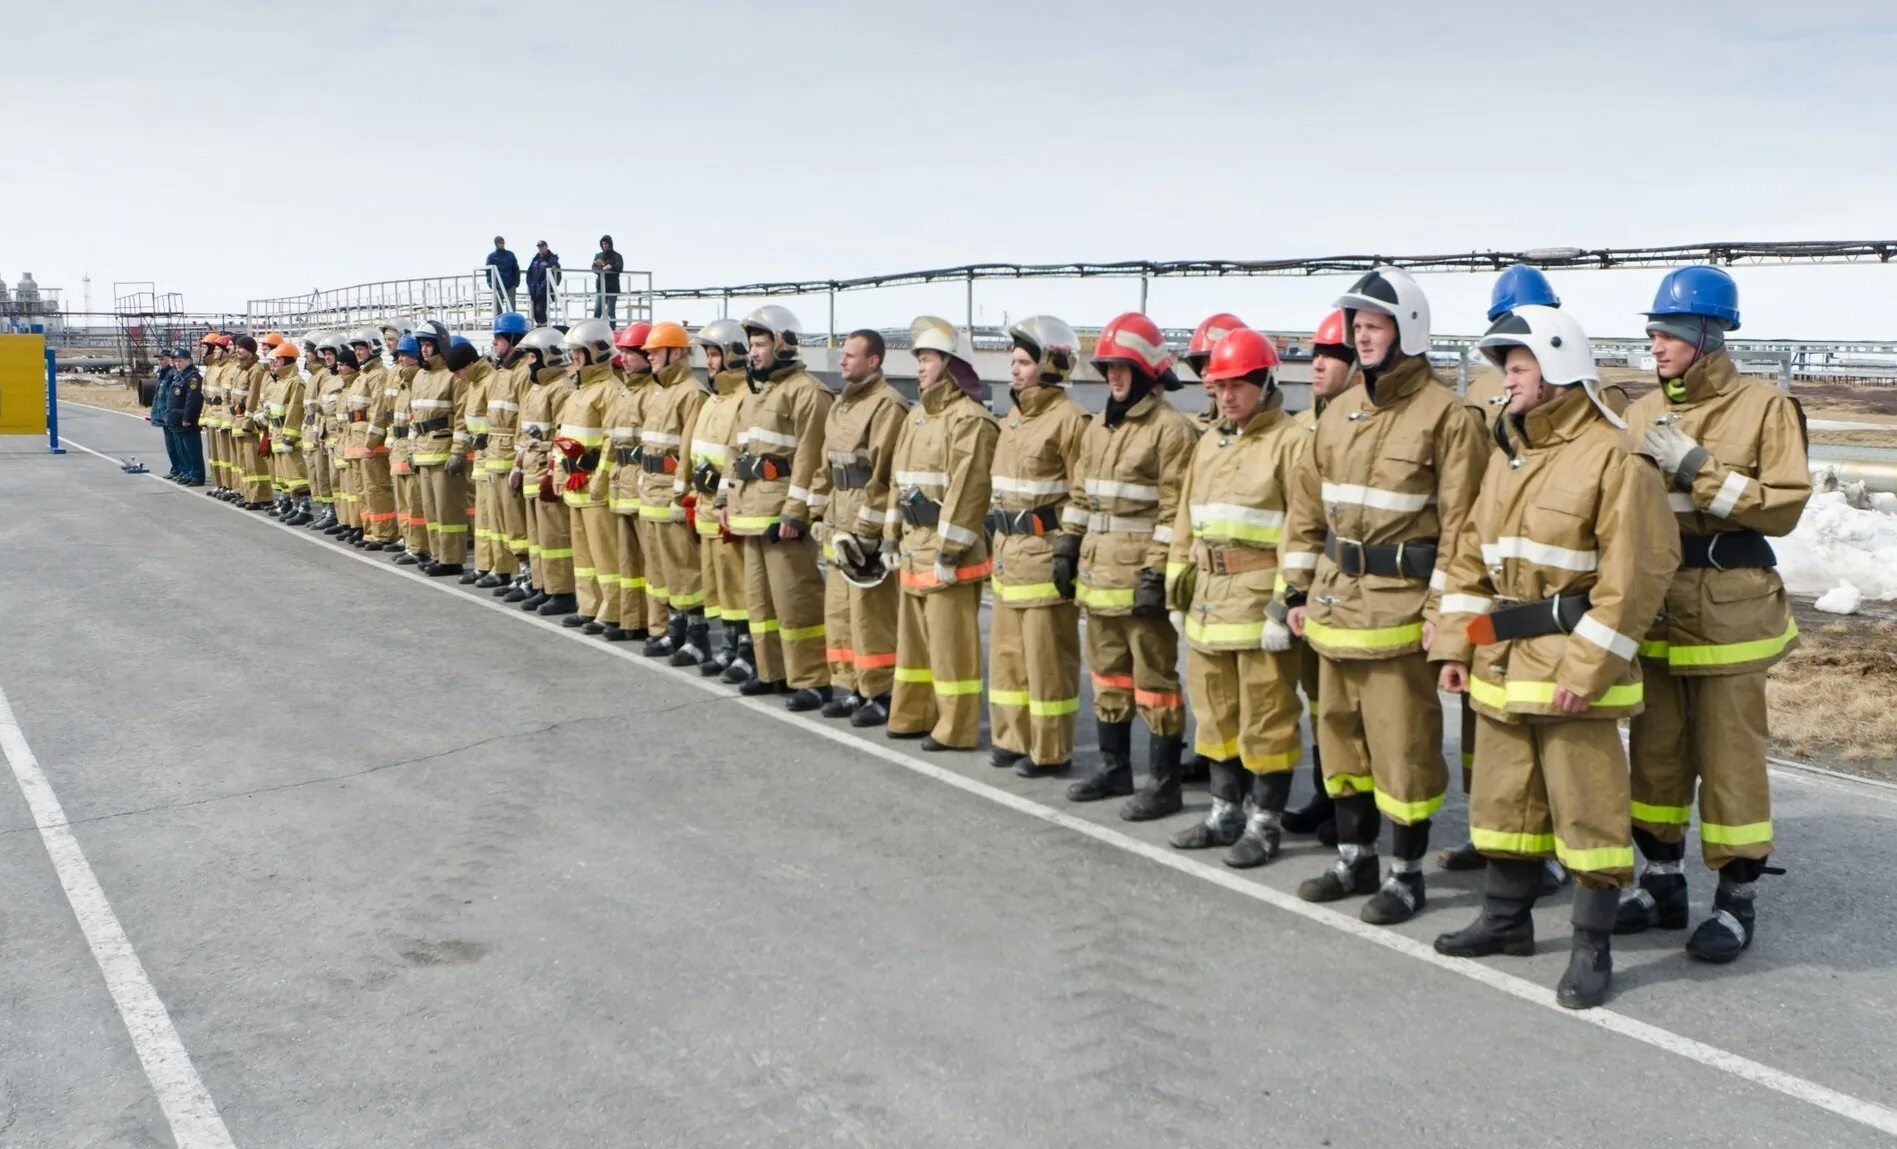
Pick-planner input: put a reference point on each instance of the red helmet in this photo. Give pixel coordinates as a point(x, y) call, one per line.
point(1333, 338)
point(1134, 340)
point(632, 337)
point(1207, 335)
point(1239, 354)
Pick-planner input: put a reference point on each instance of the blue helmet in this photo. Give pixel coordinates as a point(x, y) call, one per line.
point(1706, 292)
point(459, 341)
point(407, 345)
point(511, 324)
point(1518, 285)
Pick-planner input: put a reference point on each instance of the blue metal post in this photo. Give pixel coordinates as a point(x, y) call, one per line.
point(52, 403)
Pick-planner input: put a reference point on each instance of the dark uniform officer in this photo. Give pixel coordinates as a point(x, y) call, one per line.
point(181, 420)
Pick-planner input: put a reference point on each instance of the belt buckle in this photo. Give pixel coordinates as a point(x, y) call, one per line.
point(1554, 612)
point(1363, 557)
point(1712, 546)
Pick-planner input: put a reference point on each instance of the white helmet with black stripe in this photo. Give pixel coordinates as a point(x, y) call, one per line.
point(1393, 292)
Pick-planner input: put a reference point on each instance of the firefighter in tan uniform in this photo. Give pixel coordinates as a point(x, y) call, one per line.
point(485, 547)
point(549, 526)
point(1388, 478)
point(1559, 569)
point(367, 407)
point(408, 496)
point(1732, 452)
point(320, 500)
point(283, 421)
point(726, 350)
point(666, 508)
point(513, 374)
point(438, 434)
point(640, 611)
point(861, 603)
point(1198, 352)
point(940, 489)
point(1221, 576)
point(215, 419)
point(581, 443)
point(1133, 463)
point(341, 520)
point(1333, 372)
point(1034, 528)
point(777, 485)
point(248, 467)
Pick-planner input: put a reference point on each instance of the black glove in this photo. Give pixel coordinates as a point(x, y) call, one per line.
point(1149, 594)
point(772, 532)
point(705, 477)
point(589, 460)
point(1066, 563)
point(457, 463)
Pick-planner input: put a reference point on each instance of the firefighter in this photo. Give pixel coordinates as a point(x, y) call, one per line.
point(776, 487)
point(367, 406)
point(408, 496)
point(581, 443)
point(1034, 528)
point(667, 509)
point(1205, 337)
point(508, 517)
point(283, 421)
point(327, 428)
point(480, 376)
point(1560, 566)
point(1133, 460)
point(438, 432)
point(342, 369)
point(625, 412)
point(1388, 478)
point(315, 462)
point(1333, 372)
point(1732, 452)
point(861, 603)
point(549, 526)
point(940, 489)
point(214, 420)
point(245, 383)
point(1220, 576)
point(726, 351)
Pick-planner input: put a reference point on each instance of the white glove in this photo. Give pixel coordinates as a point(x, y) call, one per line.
point(847, 549)
point(945, 571)
point(1670, 447)
point(1276, 637)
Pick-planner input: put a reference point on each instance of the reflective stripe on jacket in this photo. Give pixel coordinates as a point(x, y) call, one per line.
point(1037, 465)
point(1132, 475)
point(945, 456)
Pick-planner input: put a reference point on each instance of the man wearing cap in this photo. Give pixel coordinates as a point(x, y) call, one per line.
point(182, 410)
point(503, 275)
point(543, 273)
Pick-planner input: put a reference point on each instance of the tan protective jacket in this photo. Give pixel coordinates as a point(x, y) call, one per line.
point(313, 388)
point(625, 422)
point(859, 443)
point(1754, 476)
point(474, 404)
point(540, 414)
point(670, 409)
point(583, 419)
point(1037, 466)
point(1230, 521)
point(1133, 477)
point(402, 445)
point(1565, 508)
point(435, 396)
point(710, 445)
point(366, 409)
point(330, 401)
point(1397, 461)
point(283, 409)
point(946, 456)
point(216, 396)
point(246, 383)
point(785, 418)
point(506, 391)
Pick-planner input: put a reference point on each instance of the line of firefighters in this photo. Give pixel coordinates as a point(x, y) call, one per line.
point(1558, 557)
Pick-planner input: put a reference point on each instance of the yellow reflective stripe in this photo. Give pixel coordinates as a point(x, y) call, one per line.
point(1748, 835)
point(1007, 593)
point(1279, 586)
point(1733, 653)
point(752, 522)
point(1248, 632)
point(1217, 751)
point(964, 686)
point(448, 530)
point(914, 674)
point(1097, 596)
point(1236, 531)
point(1008, 698)
point(429, 458)
point(1270, 763)
point(1054, 709)
point(1542, 694)
point(585, 572)
point(1339, 785)
point(1411, 812)
point(1655, 648)
point(766, 626)
point(1363, 639)
point(687, 601)
point(555, 552)
point(798, 633)
point(1662, 815)
point(1595, 858)
point(1174, 570)
point(618, 504)
point(1510, 841)
point(652, 512)
point(655, 590)
point(734, 614)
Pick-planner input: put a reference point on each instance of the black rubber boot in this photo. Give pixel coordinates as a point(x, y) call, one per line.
point(1401, 896)
point(1225, 821)
point(662, 645)
point(1002, 758)
point(1591, 962)
point(1728, 933)
point(755, 687)
point(1506, 924)
point(1659, 901)
point(697, 645)
point(558, 604)
point(1161, 796)
point(1196, 769)
point(410, 559)
point(472, 577)
point(616, 633)
point(1353, 873)
point(1028, 768)
point(594, 626)
point(873, 712)
point(808, 698)
point(743, 665)
point(721, 658)
point(1318, 810)
point(1264, 819)
point(1462, 856)
point(442, 570)
point(493, 580)
point(1114, 778)
point(536, 600)
point(842, 705)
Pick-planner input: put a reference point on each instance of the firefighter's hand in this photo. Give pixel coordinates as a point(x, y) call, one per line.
point(1295, 620)
point(1454, 678)
point(945, 572)
point(457, 464)
point(1674, 450)
point(514, 480)
point(848, 550)
point(1568, 702)
point(788, 530)
point(1066, 564)
point(1276, 638)
point(1429, 634)
point(1149, 593)
point(1180, 587)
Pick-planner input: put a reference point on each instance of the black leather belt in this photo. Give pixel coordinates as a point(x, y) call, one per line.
point(706, 478)
point(480, 442)
point(1405, 560)
point(428, 426)
point(850, 476)
point(762, 468)
point(1557, 615)
point(1729, 551)
point(628, 456)
point(918, 510)
point(399, 432)
point(661, 462)
point(1036, 521)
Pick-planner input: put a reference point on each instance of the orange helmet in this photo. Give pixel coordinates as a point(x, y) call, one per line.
point(1134, 340)
point(1239, 354)
point(1333, 339)
point(667, 334)
point(215, 339)
point(285, 349)
point(632, 337)
point(1207, 335)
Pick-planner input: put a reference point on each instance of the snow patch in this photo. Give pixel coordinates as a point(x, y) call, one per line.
point(1836, 543)
point(1841, 599)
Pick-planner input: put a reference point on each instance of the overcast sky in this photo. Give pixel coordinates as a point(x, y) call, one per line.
point(231, 150)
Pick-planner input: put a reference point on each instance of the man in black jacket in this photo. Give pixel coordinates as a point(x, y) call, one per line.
point(609, 264)
point(503, 275)
point(543, 270)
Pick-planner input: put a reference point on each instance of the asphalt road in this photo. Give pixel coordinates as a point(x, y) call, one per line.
point(406, 869)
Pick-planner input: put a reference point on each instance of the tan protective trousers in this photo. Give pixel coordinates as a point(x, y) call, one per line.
point(722, 564)
point(445, 507)
point(673, 575)
point(629, 565)
point(1554, 788)
point(938, 666)
point(287, 473)
point(510, 523)
point(486, 552)
point(251, 470)
point(1246, 709)
point(1710, 730)
point(1135, 666)
point(216, 443)
point(783, 588)
point(550, 549)
point(860, 635)
point(376, 488)
point(1034, 680)
point(408, 495)
point(1380, 730)
point(322, 481)
point(596, 562)
point(348, 502)
point(647, 599)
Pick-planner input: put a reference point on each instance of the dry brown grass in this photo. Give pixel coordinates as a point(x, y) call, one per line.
point(112, 395)
point(1832, 698)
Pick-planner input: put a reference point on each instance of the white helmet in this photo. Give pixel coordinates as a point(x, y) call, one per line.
point(1054, 345)
point(593, 336)
point(545, 341)
point(778, 323)
point(1391, 292)
point(933, 333)
point(728, 335)
point(1560, 348)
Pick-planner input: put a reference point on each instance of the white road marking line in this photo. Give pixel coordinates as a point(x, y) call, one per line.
point(188, 1108)
point(1867, 1113)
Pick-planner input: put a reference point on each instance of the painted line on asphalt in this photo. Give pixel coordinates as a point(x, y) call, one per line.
point(1867, 1113)
point(187, 1105)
